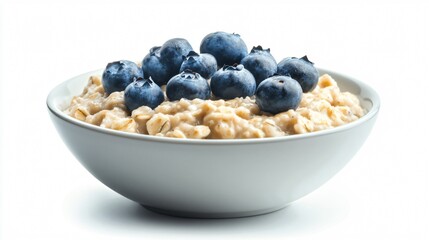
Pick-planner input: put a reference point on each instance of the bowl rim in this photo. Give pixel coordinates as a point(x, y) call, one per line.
point(375, 99)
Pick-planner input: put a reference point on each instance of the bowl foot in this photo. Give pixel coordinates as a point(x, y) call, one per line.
point(206, 215)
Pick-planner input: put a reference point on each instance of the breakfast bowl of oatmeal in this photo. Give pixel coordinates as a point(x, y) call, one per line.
point(223, 142)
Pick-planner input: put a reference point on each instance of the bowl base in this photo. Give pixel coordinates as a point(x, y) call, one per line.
point(206, 215)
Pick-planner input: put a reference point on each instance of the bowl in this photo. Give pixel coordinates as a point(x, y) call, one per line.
point(212, 178)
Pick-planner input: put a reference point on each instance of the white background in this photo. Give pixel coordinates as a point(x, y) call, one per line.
point(381, 194)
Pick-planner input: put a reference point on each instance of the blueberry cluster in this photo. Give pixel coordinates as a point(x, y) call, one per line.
point(224, 59)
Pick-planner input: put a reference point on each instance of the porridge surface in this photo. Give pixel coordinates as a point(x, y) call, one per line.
point(323, 108)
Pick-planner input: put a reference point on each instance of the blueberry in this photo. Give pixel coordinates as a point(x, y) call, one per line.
point(187, 85)
point(172, 54)
point(227, 48)
point(204, 64)
point(143, 92)
point(152, 67)
point(278, 94)
point(300, 69)
point(260, 63)
point(119, 74)
point(233, 81)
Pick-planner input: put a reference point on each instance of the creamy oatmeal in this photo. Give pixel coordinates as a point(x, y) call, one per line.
point(323, 108)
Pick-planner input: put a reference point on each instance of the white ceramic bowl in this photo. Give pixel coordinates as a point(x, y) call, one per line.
point(212, 178)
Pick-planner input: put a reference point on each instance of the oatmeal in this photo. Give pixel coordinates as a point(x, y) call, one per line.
point(323, 108)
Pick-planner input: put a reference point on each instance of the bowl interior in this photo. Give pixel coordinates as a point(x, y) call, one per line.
point(60, 97)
